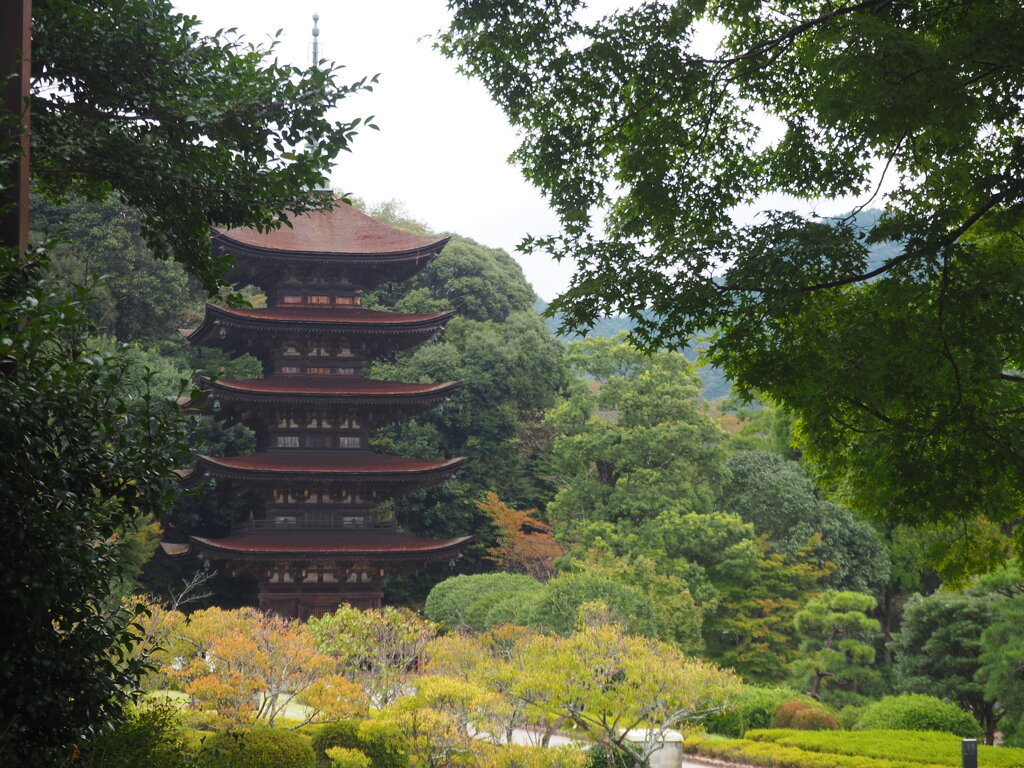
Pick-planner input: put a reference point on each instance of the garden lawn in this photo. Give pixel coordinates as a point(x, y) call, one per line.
point(849, 749)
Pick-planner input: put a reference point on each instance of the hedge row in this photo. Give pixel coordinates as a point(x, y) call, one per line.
point(772, 755)
point(919, 747)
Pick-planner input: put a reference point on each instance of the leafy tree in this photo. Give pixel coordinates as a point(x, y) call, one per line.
point(751, 628)
point(905, 375)
point(143, 298)
point(525, 544)
point(1002, 658)
point(637, 449)
point(83, 465)
point(836, 645)
point(777, 496)
point(607, 683)
point(379, 648)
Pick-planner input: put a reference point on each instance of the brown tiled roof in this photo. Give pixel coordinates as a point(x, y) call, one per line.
point(327, 542)
point(341, 231)
point(324, 385)
point(333, 315)
point(335, 462)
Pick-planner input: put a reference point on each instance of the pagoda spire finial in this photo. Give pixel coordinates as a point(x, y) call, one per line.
point(316, 40)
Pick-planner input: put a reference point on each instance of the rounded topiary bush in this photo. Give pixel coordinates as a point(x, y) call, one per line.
point(918, 712)
point(812, 719)
point(257, 748)
point(343, 734)
point(783, 716)
point(753, 707)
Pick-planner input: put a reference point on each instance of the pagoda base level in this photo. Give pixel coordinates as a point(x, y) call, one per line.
point(295, 601)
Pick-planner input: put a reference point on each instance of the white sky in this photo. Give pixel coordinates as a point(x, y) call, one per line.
point(442, 144)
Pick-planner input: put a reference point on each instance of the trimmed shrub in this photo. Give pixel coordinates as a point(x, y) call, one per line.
point(814, 720)
point(514, 609)
point(558, 608)
point(753, 707)
point(256, 748)
point(465, 601)
point(341, 757)
point(344, 734)
point(783, 717)
point(918, 712)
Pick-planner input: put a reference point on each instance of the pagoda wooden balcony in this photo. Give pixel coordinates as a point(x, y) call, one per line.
point(346, 523)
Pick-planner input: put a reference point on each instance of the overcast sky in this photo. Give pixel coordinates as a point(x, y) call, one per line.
point(442, 145)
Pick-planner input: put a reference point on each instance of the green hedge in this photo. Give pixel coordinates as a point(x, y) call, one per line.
point(918, 712)
point(766, 753)
point(151, 735)
point(256, 748)
point(914, 747)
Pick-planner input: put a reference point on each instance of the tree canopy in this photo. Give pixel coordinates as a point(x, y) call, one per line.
point(905, 374)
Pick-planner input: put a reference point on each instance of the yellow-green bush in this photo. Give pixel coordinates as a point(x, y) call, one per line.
point(256, 748)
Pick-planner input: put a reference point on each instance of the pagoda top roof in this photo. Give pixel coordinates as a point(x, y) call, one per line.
point(332, 386)
point(341, 464)
point(341, 231)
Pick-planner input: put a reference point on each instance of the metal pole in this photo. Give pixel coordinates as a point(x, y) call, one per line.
point(969, 753)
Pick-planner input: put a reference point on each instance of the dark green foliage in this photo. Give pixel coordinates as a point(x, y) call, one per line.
point(1002, 670)
point(81, 465)
point(754, 707)
point(939, 648)
point(904, 374)
point(142, 298)
point(256, 748)
point(466, 601)
point(918, 712)
point(383, 748)
point(778, 497)
point(151, 736)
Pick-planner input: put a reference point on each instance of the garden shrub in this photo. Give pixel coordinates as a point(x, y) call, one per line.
point(151, 735)
point(465, 601)
point(256, 748)
point(382, 747)
point(918, 712)
point(557, 610)
point(783, 717)
point(814, 720)
point(514, 609)
point(753, 707)
point(341, 757)
point(597, 757)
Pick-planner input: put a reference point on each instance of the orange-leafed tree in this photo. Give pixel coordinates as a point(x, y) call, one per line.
point(525, 544)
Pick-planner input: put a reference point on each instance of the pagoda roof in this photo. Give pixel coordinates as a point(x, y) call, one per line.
point(327, 464)
point(331, 387)
point(320, 545)
point(301, 319)
point(340, 232)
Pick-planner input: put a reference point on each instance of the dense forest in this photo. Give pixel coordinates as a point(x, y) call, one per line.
point(598, 474)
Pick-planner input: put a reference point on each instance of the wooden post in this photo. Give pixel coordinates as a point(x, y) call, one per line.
point(15, 59)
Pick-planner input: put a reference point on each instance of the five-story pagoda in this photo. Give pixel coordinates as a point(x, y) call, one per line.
point(311, 539)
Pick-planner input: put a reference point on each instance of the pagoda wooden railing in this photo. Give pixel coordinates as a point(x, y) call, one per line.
point(277, 526)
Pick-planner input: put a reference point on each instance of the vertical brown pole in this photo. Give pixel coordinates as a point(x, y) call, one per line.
point(15, 58)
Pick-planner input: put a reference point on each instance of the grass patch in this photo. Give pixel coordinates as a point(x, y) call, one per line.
point(849, 749)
